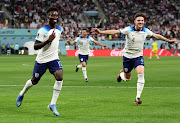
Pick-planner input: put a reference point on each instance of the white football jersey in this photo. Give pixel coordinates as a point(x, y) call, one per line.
point(84, 44)
point(50, 51)
point(134, 41)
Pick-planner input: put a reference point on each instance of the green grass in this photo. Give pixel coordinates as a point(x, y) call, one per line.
point(101, 100)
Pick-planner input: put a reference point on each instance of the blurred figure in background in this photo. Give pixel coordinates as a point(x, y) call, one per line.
point(154, 50)
point(16, 48)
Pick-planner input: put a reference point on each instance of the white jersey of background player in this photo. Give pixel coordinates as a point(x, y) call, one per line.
point(133, 51)
point(84, 41)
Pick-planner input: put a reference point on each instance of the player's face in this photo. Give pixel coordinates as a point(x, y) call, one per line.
point(84, 33)
point(139, 22)
point(53, 17)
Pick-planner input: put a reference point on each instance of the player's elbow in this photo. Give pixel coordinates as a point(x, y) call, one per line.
point(35, 47)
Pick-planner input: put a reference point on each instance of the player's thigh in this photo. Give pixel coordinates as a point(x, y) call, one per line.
point(154, 51)
point(128, 65)
point(55, 67)
point(39, 70)
point(140, 69)
point(83, 58)
point(139, 65)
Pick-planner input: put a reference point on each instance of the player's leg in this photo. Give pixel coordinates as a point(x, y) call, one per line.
point(84, 71)
point(139, 66)
point(57, 71)
point(150, 57)
point(78, 66)
point(39, 70)
point(84, 59)
point(125, 74)
point(157, 57)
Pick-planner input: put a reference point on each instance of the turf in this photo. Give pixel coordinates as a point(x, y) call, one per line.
point(101, 100)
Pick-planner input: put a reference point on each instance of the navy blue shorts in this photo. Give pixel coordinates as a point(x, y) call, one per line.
point(130, 63)
point(83, 58)
point(40, 69)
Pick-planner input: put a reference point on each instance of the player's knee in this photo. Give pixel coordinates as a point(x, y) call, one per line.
point(59, 78)
point(83, 64)
point(127, 79)
point(34, 81)
point(141, 78)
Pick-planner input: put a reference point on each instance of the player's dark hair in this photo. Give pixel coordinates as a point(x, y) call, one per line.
point(52, 9)
point(139, 15)
point(85, 29)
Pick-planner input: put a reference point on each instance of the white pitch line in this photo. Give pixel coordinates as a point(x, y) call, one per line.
point(86, 86)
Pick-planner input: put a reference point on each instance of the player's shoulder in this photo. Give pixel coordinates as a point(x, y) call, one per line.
point(59, 28)
point(45, 29)
point(144, 29)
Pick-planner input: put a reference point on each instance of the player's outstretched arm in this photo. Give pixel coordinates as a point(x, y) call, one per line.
point(39, 45)
point(111, 32)
point(70, 43)
point(160, 37)
point(100, 44)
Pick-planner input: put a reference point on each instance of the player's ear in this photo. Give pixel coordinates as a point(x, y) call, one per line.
point(48, 15)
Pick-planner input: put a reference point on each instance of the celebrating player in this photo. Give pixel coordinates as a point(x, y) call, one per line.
point(154, 50)
point(47, 40)
point(84, 50)
point(133, 51)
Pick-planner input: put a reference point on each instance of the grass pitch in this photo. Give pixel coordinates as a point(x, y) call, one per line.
point(101, 100)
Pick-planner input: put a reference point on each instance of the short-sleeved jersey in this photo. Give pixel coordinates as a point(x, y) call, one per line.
point(155, 45)
point(50, 51)
point(134, 41)
point(84, 44)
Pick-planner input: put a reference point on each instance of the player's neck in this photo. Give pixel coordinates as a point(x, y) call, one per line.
point(52, 25)
point(84, 36)
point(138, 28)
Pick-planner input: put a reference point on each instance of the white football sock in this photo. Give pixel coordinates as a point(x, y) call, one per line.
point(122, 77)
point(56, 91)
point(140, 85)
point(79, 66)
point(26, 87)
point(84, 72)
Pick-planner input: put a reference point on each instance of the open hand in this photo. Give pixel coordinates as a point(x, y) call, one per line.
point(95, 31)
point(52, 36)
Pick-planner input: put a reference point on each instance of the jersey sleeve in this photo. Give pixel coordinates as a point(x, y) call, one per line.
point(40, 36)
point(124, 31)
point(91, 39)
point(76, 40)
point(149, 32)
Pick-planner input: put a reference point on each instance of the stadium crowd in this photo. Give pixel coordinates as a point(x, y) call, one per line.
point(161, 15)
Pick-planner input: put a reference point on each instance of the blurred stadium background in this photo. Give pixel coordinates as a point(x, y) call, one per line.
point(20, 20)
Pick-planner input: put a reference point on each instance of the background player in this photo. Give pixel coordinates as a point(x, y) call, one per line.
point(84, 42)
point(133, 51)
point(47, 40)
point(154, 50)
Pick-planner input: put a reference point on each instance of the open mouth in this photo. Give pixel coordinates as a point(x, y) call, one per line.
point(55, 20)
